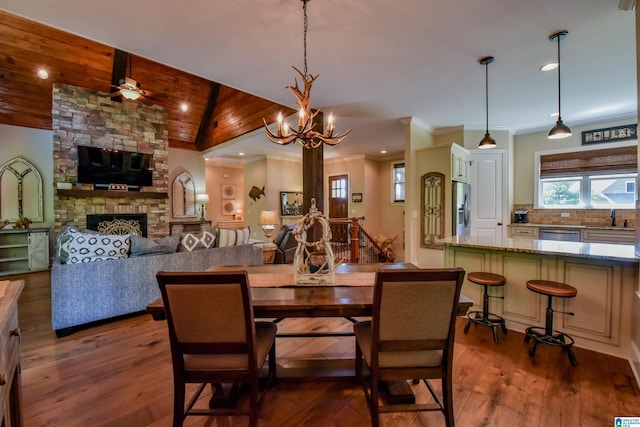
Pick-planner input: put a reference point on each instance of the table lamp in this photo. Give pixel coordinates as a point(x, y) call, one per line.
point(202, 198)
point(268, 220)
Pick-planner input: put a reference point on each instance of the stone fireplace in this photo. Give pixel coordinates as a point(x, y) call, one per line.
point(86, 117)
point(118, 224)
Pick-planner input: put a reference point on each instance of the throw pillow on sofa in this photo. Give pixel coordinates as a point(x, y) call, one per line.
point(233, 237)
point(143, 246)
point(196, 241)
point(91, 247)
point(244, 236)
point(62, 243)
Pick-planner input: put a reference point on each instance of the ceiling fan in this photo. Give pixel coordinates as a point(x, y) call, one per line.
point(130, 89)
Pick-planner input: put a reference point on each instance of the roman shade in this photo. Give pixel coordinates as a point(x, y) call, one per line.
point(610, 160)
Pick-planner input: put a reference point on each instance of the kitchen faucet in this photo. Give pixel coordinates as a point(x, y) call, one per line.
point(613, 217)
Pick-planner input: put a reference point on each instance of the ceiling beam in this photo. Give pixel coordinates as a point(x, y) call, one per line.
point(119, 70)
point(206, 115)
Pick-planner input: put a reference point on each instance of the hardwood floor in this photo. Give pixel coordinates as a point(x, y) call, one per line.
point(119, 374)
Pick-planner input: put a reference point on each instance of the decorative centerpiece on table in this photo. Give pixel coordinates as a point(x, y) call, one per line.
point(313, 262)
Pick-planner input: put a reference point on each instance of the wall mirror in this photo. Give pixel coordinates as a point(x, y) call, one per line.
point(290, 203)
point(20, 191)
point(432, 203)
point(183, 196)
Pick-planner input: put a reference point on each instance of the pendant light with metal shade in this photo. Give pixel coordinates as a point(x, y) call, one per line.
point(560, 130)
point(487, 141)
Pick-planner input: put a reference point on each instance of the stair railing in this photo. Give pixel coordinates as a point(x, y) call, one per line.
point(352, 243)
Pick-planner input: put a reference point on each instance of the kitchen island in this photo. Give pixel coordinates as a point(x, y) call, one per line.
point(605, 275)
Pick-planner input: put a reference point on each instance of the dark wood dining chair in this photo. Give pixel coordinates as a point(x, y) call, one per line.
point(214, 339)
point(410, 335)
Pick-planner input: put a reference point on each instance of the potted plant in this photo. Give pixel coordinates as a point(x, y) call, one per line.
point(68, 183)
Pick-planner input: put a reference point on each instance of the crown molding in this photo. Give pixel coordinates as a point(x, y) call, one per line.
point(416, 122)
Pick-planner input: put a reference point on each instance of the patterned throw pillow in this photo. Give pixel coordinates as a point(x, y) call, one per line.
point(226, 237)
point(62, 243)
point(233, 237)
point(144, 246)
point(243, 236)
point(193, 242)
point(91, 247)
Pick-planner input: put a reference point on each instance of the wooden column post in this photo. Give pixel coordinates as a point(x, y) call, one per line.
point(313, 178)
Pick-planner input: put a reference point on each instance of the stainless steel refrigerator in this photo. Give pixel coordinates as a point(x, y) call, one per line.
point(461, 209)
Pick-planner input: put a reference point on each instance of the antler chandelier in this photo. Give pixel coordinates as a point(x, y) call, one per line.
point(304, 133)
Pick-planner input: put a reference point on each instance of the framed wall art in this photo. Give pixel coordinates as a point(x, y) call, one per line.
point(228, 191)
point(617, 133)
point(228, 207)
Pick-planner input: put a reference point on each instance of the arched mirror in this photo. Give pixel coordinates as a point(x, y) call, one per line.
point(432, 202)
point(183, 196)
point(20, 191)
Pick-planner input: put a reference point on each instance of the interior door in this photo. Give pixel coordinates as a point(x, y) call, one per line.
point(487, 191)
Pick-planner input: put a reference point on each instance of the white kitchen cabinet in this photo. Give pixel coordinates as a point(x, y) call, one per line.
point(459, 163)
point(621, 236)
point(523, 232)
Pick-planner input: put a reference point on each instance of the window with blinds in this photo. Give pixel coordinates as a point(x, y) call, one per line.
point(598, 179)
point(610, 160)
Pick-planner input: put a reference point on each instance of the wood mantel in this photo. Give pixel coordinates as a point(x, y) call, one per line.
point(107, 193)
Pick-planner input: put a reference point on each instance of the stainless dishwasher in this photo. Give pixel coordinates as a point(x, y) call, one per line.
point(564, 235)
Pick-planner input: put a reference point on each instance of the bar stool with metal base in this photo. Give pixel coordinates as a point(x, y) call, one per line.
point(484, 317)
point(546, 335)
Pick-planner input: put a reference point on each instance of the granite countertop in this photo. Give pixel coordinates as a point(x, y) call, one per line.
point(603, 251)
point(577, 227)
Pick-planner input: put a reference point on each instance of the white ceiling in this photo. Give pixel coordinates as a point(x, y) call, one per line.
point(382, 60)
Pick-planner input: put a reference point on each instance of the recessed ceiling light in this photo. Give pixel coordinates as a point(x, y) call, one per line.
point(550, 66)
point(383, 151)
point(184, 107)
point(43, 74)
point(240, 154)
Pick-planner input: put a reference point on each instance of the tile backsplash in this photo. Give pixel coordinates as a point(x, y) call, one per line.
point(588, 217)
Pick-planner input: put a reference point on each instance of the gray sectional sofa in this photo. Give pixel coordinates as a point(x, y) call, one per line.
point(84, 293)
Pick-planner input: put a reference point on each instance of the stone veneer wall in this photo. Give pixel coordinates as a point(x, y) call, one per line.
point(86, 117)
point(587, 217)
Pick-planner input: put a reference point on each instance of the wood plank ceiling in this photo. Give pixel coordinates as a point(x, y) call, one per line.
point(215, 114)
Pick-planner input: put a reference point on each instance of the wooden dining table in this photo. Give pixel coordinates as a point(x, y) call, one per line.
point(275, 296)
point(282, 299)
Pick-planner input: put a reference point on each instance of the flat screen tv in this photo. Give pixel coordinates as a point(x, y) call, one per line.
point(102, 166)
